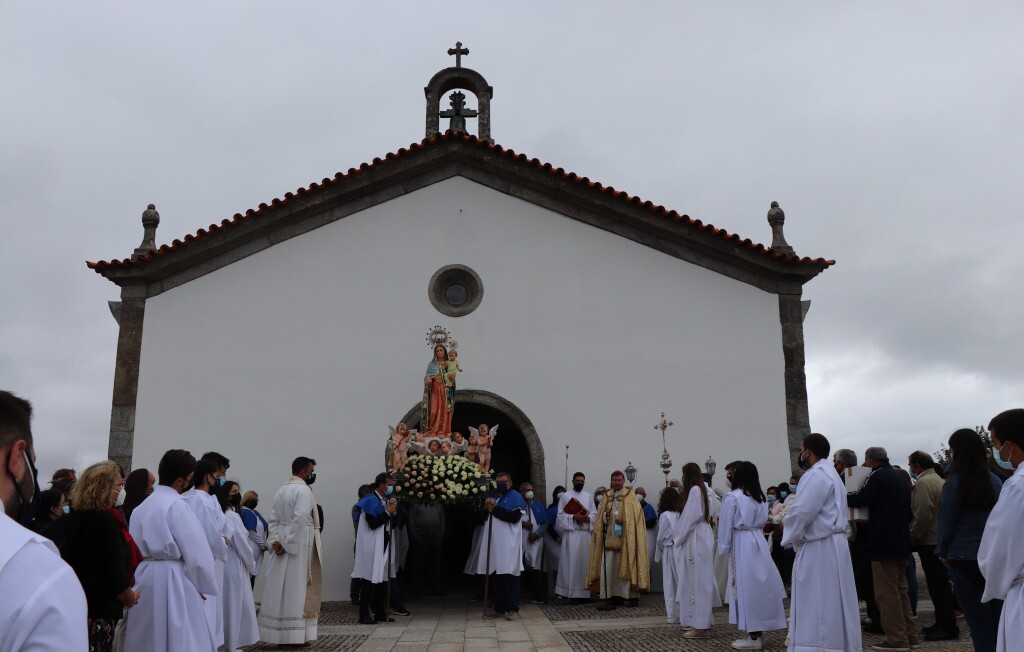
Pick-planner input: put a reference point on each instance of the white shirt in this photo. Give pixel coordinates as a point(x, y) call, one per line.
point(42, 605)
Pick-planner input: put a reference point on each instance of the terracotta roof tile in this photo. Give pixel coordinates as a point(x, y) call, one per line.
point(315, 187)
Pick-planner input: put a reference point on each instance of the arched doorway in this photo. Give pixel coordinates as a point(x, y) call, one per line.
point(517, 451)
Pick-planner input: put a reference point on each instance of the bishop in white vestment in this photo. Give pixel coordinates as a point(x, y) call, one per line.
point(176, 578)
point(293, 578)
point(823, 589)
point(575, 554)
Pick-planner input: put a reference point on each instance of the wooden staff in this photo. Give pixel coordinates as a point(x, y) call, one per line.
point(487, 563)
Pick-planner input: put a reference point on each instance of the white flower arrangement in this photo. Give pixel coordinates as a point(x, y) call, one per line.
point(442, 480)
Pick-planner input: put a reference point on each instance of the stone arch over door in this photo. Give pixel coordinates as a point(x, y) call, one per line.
point(468, 398)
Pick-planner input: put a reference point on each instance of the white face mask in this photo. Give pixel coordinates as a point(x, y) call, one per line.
point(120, 498)
point(528, 495)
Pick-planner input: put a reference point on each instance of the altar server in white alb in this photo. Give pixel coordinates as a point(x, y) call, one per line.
point(999, 557)
point(177, 575)
point(669, 506)
point(204, 505)
point(823, 586)
point(503, 540)
point(535, 524)
point(575, 529)
point(755, 591)
point(696, 589)
point(42, 606)
point(293, 578)
point(240, 628)
point(376, 561)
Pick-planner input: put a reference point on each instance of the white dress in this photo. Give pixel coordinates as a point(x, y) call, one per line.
point(240, 628)
point(665, 553)
point(42, 605)
point(575, 556)
point(176, 573)
point(1002, 563)
point(696, 590)
point(823, 587)
point(755, 591)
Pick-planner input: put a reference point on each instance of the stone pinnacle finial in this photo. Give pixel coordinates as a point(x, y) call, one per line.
point(776, 218)
point(150, 220)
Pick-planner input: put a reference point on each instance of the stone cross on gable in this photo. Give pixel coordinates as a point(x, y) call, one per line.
point(458, 113)
point(458, 51)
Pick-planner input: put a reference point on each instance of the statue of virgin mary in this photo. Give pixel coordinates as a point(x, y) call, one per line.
point(438, 397)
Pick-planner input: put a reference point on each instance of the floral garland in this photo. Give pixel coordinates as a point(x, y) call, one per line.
point(447, 480)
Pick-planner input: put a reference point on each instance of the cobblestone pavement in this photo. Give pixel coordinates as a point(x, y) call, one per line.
point(454, 624)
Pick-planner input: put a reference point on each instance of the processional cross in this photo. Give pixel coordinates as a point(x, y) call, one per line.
point(458, 113)
point(458, 51)
point(666, 460)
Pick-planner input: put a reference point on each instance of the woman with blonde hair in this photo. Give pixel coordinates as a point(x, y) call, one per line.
point(98, 553)
point(256, 526)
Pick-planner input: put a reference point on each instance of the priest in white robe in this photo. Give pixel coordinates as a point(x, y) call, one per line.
point(755, 592)
point(204, 505)
point(575, 530)
point(376, 562)
point(240, 628)
point(696, 591)
point(293, 577)
point(823, 588)
point(177, 575)
point(999, 556)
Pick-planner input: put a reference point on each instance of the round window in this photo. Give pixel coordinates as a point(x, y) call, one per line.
point(455, 290)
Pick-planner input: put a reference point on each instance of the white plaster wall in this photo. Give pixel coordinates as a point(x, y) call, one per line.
point(313, 346)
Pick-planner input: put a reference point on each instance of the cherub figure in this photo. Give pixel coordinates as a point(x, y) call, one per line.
point(446, 447)
point(484, 441)
point(434, 447)
point(471, 449)
point(458, 443)
point(400, 437)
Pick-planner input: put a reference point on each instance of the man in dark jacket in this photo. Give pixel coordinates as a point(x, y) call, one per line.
point(887, 495)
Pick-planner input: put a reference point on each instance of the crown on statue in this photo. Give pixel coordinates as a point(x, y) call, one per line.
point(439, 336)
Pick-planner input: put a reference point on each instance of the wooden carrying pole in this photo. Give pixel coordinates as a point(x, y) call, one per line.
point(487, 563)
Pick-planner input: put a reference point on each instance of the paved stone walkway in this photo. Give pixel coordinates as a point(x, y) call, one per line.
point(454, 624)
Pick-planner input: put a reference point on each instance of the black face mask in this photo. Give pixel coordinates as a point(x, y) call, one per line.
point(803, 462)
point(311, 479)
point(502, 487)
point(27, 508)
point(577, 486)
point(235, 500)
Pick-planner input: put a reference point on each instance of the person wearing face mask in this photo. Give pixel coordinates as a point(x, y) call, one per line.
point(575, 526)
point(256, 526)
point(42, 605)
point(94, 547)
point(552, 539)
point(51, 507)
point(503, 539)
point(376, 562)
point(177, 570)
point(535, 524)
point(823, 586)
point(204, 505)
point(223, 464)
point(240, 628)
point(293, 577)
point(999, 556)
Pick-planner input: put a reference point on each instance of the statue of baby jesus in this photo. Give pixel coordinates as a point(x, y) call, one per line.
point(400, 436)
point(452, 367)
point(484, 439)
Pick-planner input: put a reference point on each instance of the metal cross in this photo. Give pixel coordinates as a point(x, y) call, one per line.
point(458, 51)
point(666, 459)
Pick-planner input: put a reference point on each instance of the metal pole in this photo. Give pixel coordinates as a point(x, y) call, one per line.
point(565, 482)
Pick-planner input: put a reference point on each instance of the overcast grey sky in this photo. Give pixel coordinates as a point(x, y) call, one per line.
point(889, 132)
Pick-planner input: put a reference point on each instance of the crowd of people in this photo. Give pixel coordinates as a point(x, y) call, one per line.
point(101, 561)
